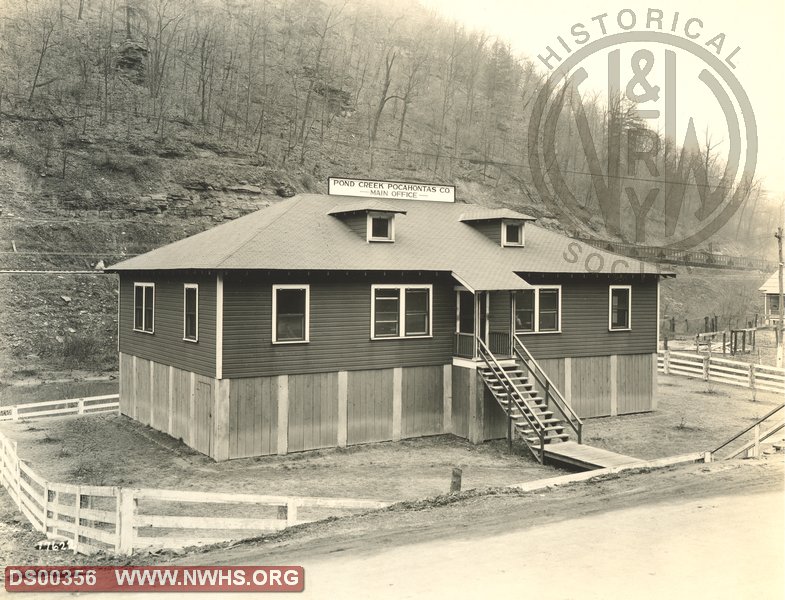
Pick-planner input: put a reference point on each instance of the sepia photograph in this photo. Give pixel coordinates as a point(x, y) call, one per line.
point(392, 299)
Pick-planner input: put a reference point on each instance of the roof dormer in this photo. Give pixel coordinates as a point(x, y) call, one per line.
point(503, 226)
point(374, 221)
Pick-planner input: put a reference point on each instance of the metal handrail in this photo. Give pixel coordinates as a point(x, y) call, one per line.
point(550, 389)
point(501, 376)
point(750, 428)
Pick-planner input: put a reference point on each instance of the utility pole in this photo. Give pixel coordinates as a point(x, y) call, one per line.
point(781, 323)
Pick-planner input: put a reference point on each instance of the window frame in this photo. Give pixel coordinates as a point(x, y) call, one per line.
point(536, 289)
point(611, 288)
point(186, 287)
point(402, 288)
point(505, 242)
point(291, 286)
point(371, 215)
point(143, 285)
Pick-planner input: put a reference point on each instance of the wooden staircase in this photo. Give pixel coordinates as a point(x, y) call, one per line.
point(536, 411)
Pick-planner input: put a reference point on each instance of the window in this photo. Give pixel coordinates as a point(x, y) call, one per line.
point(538, 310)
point(620, 297)
point(291, 307)
point(144, 310)
point(191, 312)
point(399, 311)
point(380, 228)
point(512, 233)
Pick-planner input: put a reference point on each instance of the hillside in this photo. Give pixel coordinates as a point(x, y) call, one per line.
point(125, 127)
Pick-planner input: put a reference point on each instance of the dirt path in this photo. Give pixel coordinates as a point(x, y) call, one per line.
point(695, 531)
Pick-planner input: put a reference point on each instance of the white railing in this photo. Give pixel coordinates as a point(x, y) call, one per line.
point(710, 368)
point(94, 518)
point(52, 408)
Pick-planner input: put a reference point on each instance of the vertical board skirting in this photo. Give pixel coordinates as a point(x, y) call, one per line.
point(283, 414)
point(567, 387)
point(614, 385)
point(152, 393)
point(397, 406)
point(191, 409)
point(170, 413)
point(133, 387)
point(475, 408)
point(653, 400)
point(343, 402)
point(447, 385)
point(460, 400)
point(219, 326)
point(220, 444)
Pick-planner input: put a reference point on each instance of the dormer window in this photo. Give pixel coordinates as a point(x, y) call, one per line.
point(512, 233)
point(381, 227)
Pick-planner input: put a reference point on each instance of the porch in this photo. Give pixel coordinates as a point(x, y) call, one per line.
point(486, 316)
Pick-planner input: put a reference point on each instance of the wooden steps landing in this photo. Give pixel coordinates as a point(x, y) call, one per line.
point(586, 457)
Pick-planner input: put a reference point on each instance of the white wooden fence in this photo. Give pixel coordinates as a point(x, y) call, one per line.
point(122, 520)
point(51, 408)
point(711, 368)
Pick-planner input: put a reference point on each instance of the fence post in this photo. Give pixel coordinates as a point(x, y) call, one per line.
point(126, 513)
point(706, 360)
point(45, 513)
point(291, 513)
point(667, 362)
point(77, 517)
point(756, 439)
point(80, 406)
point(14, 413)
point(752, 376)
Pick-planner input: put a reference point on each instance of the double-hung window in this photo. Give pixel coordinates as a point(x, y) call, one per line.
point(191, 312)
point(401, 311)
point(538, 310)
point(291, 318)
point(619, 307)
point(144, 307)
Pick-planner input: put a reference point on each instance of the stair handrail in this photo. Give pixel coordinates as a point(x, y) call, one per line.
point(750, 428)
point(551, 390)
point(514, 394)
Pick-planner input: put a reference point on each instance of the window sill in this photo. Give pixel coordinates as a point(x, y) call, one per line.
point(193, 341)
point(537, 332)
point(290, 342)
point(381, 240)
point(619, 329)
point(402, 337)
point(145, 331)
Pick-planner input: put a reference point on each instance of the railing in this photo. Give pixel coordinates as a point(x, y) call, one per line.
point(499, 342)
point(733, 372)
point(549, 389)
point(758, 437)
point(51, 408)
point(515, 396)
point(106, 518)
point(464, 345)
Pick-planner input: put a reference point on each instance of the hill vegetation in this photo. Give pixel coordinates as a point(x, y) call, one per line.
point(126, 124)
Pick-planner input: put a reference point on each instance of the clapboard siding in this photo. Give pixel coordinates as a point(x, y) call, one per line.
point(369, 406)
point(491, 229)
point(340, 326)
point(422, 401)
point(635, 384)
point(500, 311)
point(461, 392)
point(313, 411)
point(253, 417)
point(585, 319)
point(591, 386)
point(166, 345)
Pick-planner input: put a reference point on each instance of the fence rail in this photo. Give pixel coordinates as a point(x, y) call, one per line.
point(52, 408)
point(722, 370)
point(107, 518)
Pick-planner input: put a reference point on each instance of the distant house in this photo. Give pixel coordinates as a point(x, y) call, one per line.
point(771, 299)
point(326, 321)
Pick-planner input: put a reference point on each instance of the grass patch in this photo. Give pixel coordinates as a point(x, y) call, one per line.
point(48, 439)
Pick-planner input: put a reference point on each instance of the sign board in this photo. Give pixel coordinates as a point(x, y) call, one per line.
point(398, 190)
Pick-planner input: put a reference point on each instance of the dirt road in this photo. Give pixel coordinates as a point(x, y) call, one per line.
point(701, 531)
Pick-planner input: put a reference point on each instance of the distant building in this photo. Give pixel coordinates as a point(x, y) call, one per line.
point(326, 321)
point(771, 299)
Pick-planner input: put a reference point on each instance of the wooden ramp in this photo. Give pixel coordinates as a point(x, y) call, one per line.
point(586, 457)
